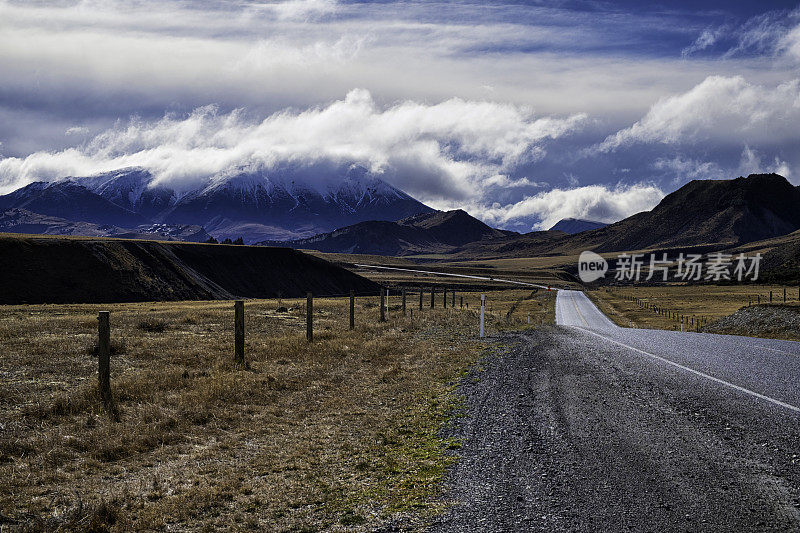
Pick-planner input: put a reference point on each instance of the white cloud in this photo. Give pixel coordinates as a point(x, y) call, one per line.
point(770, 34)
point(76, 130)
point(728, 109)
point(686, 169)
point(301, 9)
point(752, 163)
point(706, 39)
point(593, 202)
point(270, 54)
point(453, 149)
point(789, 45)
point(760, 34)
point(107, 58)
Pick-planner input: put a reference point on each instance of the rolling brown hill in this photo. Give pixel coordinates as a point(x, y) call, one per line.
point(428, 233)
point(86, 270)
point(781, 258)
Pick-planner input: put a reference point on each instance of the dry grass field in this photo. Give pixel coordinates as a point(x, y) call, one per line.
point(361, 258)
point(546, 270)
point(339, 434)
point(705, 303)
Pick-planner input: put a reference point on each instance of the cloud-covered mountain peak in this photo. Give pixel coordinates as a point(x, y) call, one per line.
point(254, 203)
point(132, 188)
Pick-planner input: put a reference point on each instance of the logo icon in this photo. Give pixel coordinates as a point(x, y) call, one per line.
point(591, 267)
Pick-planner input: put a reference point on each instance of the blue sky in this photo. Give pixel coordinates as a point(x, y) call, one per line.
point(520, 112)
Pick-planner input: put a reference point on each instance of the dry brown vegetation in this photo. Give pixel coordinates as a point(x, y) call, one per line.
point(706, 303)
point(340, 434)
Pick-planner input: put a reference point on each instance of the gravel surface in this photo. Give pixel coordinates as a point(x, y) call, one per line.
point(561, 432)
point(760, 320)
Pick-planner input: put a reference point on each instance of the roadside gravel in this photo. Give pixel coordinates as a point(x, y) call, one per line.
point(560, 433)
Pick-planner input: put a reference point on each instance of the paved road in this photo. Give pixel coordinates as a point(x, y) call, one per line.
point(763, 369)
point(590, 427)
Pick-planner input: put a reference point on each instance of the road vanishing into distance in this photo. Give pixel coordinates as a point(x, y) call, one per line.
point(762, 368)
point(587, 426)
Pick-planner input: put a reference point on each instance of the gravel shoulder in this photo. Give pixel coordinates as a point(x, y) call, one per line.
point(560, 433)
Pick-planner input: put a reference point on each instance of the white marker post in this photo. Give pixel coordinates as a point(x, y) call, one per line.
point(483, 305)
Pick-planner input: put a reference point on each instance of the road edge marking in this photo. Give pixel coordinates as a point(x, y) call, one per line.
point(572, 297)
point(696, 372)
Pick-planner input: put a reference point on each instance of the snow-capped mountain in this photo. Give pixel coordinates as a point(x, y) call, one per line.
point(254, 204)
point(71, 200)
point(132, 190)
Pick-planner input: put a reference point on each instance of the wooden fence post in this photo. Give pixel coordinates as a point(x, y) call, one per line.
point(433, 295)
point(453, 301)
point(352, 309)
point(309, 317)
point(383, 306)
point(421, 295)
point(403, 294)
point(238, 329)
point(462, 302)
point(483, 304)
point(784, 295)
point(444, 298)
point(104, 361)
point(770, 296)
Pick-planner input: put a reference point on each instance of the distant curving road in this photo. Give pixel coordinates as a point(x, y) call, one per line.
point(451, 275)
point(765, 369)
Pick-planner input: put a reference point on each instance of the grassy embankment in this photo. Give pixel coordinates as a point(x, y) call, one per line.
point(704, 302)
point(339, 434)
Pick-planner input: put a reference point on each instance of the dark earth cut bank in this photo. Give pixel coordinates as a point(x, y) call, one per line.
point(61, 270)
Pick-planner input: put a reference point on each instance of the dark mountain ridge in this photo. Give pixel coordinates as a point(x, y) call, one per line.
point(438, 232)
point(708, 212)
point(71, 201)
point(702, 215)
point(576, 225)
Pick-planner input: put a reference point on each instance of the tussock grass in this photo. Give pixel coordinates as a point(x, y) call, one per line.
point(341, 434)
point(153, 325)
